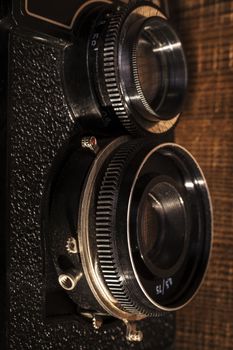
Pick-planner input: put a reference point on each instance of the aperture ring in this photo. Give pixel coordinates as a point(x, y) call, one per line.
point(105, 231)
point(110, 70)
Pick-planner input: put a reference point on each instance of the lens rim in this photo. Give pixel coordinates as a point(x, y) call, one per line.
point(181, 154)
point(171, 101)
point(138, 108)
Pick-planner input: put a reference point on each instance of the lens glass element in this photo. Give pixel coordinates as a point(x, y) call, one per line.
point(149, 69)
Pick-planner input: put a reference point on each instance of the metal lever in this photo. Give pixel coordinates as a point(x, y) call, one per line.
point(132, 333)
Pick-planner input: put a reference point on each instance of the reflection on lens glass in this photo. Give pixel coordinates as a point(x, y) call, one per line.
point(149, 68)
point(159, 69)
point(151, 224)
point(163, 226)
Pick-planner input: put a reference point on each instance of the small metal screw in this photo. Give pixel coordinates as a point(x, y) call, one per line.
point(72, 246)
point(90, 142)
point(97, 322)
point(69, 280)
point(132, 333)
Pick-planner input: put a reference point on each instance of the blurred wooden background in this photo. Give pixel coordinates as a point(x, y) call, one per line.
point(206, 129)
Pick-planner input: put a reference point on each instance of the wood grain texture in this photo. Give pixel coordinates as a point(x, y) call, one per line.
point(206, 129)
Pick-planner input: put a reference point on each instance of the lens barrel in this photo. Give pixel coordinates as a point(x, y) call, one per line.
point(148, 257)
point(130, 225)
point(138, 68)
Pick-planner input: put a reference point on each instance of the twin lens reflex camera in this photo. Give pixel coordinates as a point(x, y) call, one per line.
point(107, 222)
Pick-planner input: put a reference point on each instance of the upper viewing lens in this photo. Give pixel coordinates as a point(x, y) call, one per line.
point(140, 66)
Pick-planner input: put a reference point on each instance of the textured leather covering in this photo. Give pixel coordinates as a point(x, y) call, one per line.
point(40, 122)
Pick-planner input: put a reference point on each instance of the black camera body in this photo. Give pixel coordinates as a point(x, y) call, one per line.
point(50, 118)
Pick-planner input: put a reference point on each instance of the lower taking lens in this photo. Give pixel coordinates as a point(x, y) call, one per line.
point(143, 220)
